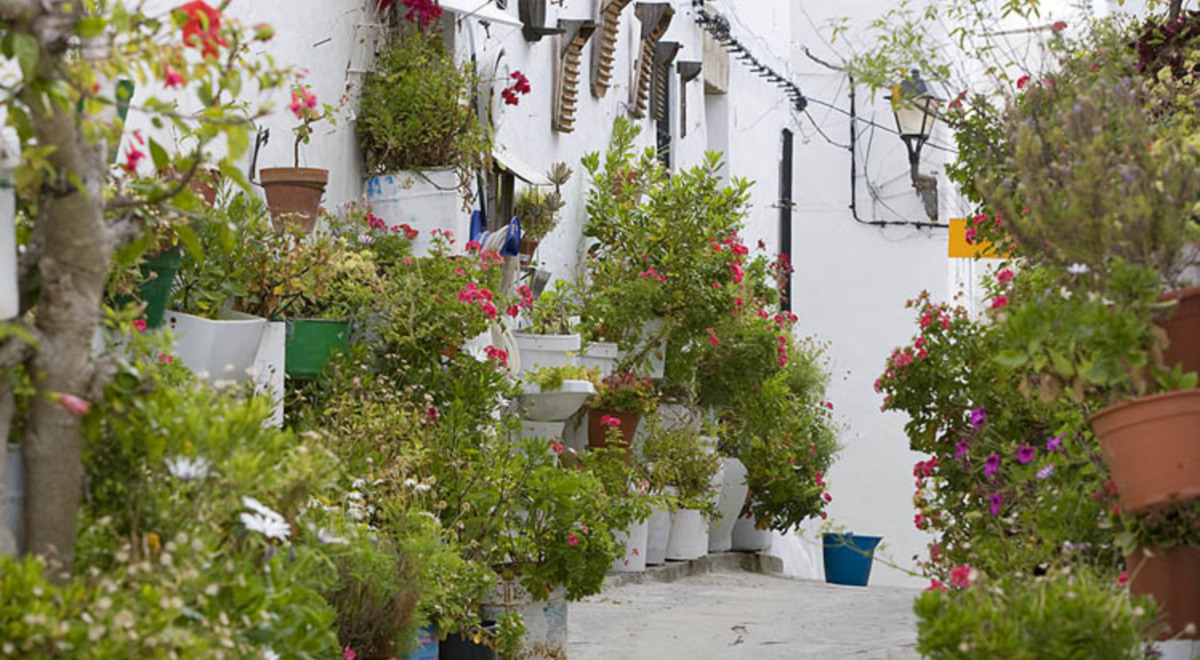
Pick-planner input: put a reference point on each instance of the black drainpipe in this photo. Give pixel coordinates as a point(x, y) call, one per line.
point(785, 214)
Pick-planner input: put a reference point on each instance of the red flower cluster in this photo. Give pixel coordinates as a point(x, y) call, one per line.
point(520, 87)
point(482, 297)
point(203, 28)
point(497, 355)
point(374, 222)
point(409, 232)
point(651, 273)
point(421, 12)
point(610, 421)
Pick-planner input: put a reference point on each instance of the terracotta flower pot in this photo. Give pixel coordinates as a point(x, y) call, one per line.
point(528, 247)
point(598, 432)
point(1183, 329)
point(1152, 446)
point(1172, 577)
point(294, 194)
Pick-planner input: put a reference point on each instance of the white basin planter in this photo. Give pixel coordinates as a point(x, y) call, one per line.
point(659, 534)
point(424, 201)
point(748, 538)
point(539, 351)
point(222, 350)
point(269, 365)
point(635, 539)
point(601, 356)
point(545, 621)
point(554, 405)
point(732, 499)
point(689, 536)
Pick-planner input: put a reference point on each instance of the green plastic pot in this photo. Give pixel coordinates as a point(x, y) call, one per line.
point(159, 272)
point(311, 343)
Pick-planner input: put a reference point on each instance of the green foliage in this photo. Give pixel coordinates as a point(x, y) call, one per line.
point(413, 114)
point(552, 378)
point(553, 311)
point(624, 393)
point(213, 278)
point(1069, 615)
point(539, 211)
point(675, 457)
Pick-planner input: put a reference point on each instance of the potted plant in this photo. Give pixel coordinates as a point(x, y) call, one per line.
point(677, 459)
point(421, 140)
point(548, 338)
point(213, 339)
point(554, 394)
point(1162, 559)
point(614, 414)
point(294, 193)
point(538, 211)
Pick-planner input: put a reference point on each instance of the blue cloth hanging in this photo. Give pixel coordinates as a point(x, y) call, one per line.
point(512, 244)
point(478, 233)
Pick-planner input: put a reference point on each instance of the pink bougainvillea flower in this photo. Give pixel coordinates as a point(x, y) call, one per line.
point(572, 540)
point(132, 158)
point(978, 417)
point(936, 585)
point(422, 12)
point(999, 302)
point(139, 325)
point(992, 465)
point(960, 577)
point(1004, 276)
point(75, 405)
point(172, 79)
point(203, 28)
point(997, 501)
point(610, 421)
point(1022, 82)
point(349, 654)
point(296, 106)
point(1025, 454)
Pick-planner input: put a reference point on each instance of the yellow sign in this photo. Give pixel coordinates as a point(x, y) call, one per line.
point(961, 249)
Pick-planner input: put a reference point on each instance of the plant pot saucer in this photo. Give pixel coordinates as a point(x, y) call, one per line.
point(555, 405)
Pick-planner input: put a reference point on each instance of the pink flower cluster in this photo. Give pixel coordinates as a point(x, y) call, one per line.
point(650, 273)
point(610, 421)
point(520, 87)
point(303, 101)
point(422, 12)
point(479, 296)
point(497, 355)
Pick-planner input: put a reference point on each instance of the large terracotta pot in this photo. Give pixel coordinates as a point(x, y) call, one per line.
point(1183, 329)
point(1152, 446)
point(598, 432)
point(1172, 577)
point(294, 194)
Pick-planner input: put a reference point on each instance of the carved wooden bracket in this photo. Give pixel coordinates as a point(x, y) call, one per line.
point(688, 71)
point(655, 18)
point(575, 34)
point(604, 48)
point(664, 55)
point(533, 16)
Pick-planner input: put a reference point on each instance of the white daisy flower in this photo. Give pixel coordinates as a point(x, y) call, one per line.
point(271, 528)
point(270, 654)
point(1078, 269)
point(188, 469)
point(260, 508)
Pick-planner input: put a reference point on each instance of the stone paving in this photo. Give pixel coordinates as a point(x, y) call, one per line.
point(737, 615)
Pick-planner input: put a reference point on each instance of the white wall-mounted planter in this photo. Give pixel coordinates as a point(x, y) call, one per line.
point(537, 351)
point(601, 356)
point(425, 201)
point(658, 536)
point(12, 500)
point(689, 536)
point(635, 539)
point(748, 538)
point(218, 350)
point(545, 621)
point(554, 405)
point(269, 365)
point(729, 507)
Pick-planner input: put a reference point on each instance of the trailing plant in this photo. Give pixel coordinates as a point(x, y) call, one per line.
point(624, 393)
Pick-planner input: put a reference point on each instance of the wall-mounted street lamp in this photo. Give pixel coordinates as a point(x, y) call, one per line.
point(916, 111)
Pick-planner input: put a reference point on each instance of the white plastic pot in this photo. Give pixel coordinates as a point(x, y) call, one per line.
point(425, 201)
point(269, 365)
point(748, 538)
point(729, 507)
point(10, 157)
point(539, 351)
point(217, 350)
point(545, 620)
point(659, 535)
point(12, 499)
point(601, 356)
point(689, 536)
point(554, 405)
point(635, 539)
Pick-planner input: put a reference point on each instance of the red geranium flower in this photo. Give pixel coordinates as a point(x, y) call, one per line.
point(203, 28)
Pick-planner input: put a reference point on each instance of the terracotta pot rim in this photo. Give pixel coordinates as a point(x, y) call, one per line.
point(1180, 294)
point(1141, 401)
point(290, 174)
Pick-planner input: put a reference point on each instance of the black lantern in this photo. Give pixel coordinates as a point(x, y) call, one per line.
point(916, 110)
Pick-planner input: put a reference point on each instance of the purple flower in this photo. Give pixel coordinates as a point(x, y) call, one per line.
point(1045, 472)
point(1054, 443)
point(997, 501)
point(1025, 454)
point(963, 448)
point(978, 417)
point(992, 465)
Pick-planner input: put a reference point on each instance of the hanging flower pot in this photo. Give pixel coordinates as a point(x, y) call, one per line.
point(294, 194)
point(311, 343)
point(1183, 329)
point(223, 349)
point(420, 202)
point(1172, 577)
point(1152, 446)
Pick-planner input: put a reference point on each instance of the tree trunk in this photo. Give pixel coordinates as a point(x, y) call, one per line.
point(71, 236)
point(1175, 9)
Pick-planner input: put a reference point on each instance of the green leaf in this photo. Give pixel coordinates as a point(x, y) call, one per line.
point(90, 26)
point(1011, 358)
point(190, 242)
point(159, 155)
point(27, 51)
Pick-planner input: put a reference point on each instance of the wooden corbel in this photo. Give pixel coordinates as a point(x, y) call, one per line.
point(664, 56)
point(533, 17)
point(604, 48)
point(688, 71)
point(575, 34)
point(655, 18)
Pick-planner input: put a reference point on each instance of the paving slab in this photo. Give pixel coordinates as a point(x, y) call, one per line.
point(736, 615)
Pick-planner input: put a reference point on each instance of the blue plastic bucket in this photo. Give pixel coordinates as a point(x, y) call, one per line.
point(428, 649)
point(848, 558)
